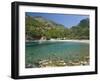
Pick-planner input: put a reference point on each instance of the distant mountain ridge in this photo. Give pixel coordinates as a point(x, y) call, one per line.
point(38, 27)
point(45, 21)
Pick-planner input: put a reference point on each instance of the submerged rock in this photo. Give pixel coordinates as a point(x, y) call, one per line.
point(29, 66)
point(51, 63)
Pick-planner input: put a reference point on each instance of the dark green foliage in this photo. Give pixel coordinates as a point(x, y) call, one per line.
point(81, 31)
point(37, 27)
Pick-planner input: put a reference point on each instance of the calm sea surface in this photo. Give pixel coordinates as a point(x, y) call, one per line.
point(65, 50)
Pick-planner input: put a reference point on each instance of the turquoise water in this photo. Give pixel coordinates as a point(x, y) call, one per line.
point(65, 50)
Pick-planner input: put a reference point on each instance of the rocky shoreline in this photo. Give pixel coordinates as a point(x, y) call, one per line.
point(59, 63)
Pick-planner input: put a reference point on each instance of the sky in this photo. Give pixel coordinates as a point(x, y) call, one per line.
point(68, 20)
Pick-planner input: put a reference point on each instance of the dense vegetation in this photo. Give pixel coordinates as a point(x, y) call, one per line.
point(37, 27)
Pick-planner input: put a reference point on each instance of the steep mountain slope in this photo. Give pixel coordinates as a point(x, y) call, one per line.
point(37, 27)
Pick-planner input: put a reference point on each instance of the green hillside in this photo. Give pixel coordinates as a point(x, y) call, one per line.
point(38, 27)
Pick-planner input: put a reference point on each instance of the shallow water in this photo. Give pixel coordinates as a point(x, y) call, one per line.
point(65, 50)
